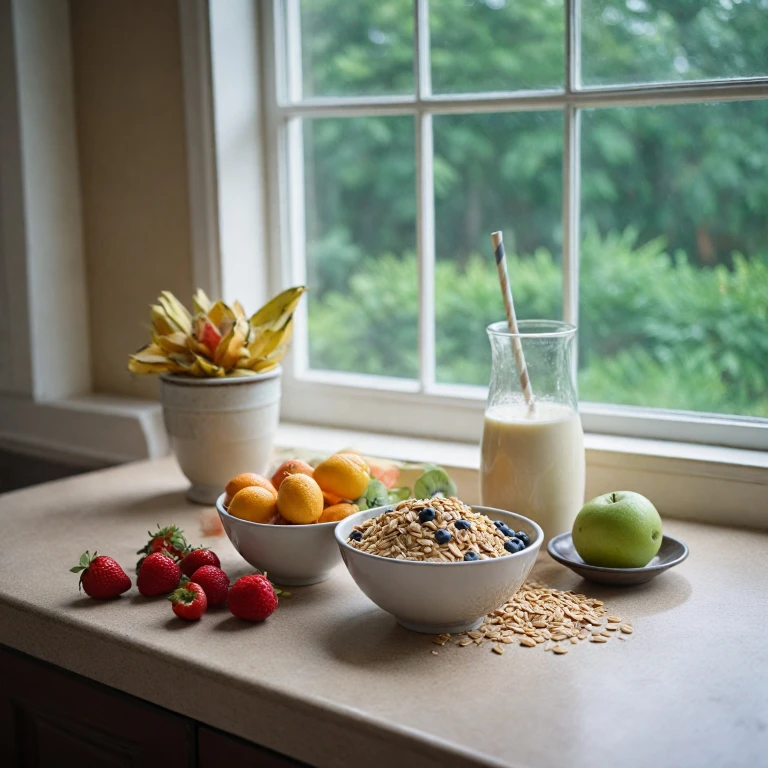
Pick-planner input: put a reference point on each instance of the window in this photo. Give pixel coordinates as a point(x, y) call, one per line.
point(622, 147)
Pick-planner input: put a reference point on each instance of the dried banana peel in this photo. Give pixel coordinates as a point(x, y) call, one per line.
point(218, 340)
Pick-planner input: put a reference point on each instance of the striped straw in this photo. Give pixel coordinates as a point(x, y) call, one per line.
point(509, 306)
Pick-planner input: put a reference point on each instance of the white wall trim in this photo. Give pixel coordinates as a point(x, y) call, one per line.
point(17, 370)
point(236, 78)
point(90, 431)
point(220, 54)
point(201, 145)
point(41, 224)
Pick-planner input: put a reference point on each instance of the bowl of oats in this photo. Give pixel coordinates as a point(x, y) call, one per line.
point(438, 565)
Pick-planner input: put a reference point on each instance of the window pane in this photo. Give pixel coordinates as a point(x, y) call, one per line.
point(640, 41)
point(674, 264)
point(361, 242)
point(497, 171)
point(496, 45)
point(359, 48)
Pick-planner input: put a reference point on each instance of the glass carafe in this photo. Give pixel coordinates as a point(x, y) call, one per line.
point(533, 458)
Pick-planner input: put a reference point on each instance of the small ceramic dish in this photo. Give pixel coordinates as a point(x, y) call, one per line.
point(440, 597)
point(671, 553)
point(293, 555)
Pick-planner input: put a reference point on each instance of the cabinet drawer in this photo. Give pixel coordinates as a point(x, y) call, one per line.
point(216, 749)
point(51, 718)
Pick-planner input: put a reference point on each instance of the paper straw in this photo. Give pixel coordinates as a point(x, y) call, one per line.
point(509, 306)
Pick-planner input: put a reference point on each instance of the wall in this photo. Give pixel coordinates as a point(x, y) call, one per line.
point(132, 154)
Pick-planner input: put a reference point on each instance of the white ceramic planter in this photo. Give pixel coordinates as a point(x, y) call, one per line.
point(220, 427)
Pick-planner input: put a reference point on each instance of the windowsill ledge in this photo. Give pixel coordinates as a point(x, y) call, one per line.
point(689, 481)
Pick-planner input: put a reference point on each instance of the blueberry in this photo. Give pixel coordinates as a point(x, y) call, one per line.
point(442, 536)
point(462, 525)
point(524, 538)
point(471, 555)
point(514, 545)
point(498, 523)
point(506, 531)
point(426, 515)
point(355, 536)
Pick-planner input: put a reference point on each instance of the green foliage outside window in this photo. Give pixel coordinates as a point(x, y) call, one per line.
point(674, 252)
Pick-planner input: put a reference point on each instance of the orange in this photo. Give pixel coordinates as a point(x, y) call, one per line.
point(246, 480)
point(343, 474)
point(291, 467)
point(300, 499)
point(254, 503)
point(331, 498)
point(338, 512)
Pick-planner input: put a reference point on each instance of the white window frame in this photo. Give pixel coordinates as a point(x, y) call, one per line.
point(424, 407)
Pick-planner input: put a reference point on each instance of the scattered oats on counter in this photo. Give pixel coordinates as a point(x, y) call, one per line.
point(537, 615)
point(426, 529)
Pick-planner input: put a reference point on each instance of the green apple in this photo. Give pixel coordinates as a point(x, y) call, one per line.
point(617, 530)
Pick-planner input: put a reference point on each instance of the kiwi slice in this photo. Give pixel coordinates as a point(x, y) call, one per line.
point(375, 495)
point(398, 494)
point(434, 482)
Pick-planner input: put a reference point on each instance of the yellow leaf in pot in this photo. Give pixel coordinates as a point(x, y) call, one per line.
point(176, 311)
point(162, 323)
point(228, 351)
point(171, 342)
point(200, 302)
point(266, 342)
point(205, 368)
point(276, 312)
point(222, 316)
point(151, 359)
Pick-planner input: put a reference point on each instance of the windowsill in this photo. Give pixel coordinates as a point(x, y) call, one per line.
point(689, 481)
point(467, 455)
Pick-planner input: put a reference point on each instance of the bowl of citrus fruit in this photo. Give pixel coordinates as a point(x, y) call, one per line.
point(284, 525)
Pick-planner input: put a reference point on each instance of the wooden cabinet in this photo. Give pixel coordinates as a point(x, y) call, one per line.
point(216, 749)
point(50, 718)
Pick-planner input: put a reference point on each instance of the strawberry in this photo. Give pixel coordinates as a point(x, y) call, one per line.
point(189, 601)
point(159, 574)
point(215, 583)
point(197, 558)
point(102, 577)
point(169, 540)
point(252, 598)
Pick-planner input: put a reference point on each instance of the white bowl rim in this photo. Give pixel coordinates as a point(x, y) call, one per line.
point(313, 526)
point(535, 544)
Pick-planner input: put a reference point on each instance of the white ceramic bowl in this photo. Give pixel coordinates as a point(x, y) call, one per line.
point(293, 555)
point(440, 597)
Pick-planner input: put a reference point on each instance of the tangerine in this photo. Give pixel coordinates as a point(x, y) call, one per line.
point(337, 512)
point(300, 499)
point(246, 480)
point(291, 467)
point(255, 504)
point(343, 474)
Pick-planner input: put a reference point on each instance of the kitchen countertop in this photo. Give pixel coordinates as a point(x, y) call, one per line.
point(332, 680)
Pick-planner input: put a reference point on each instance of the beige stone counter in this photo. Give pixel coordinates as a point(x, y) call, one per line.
point(332, 680)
